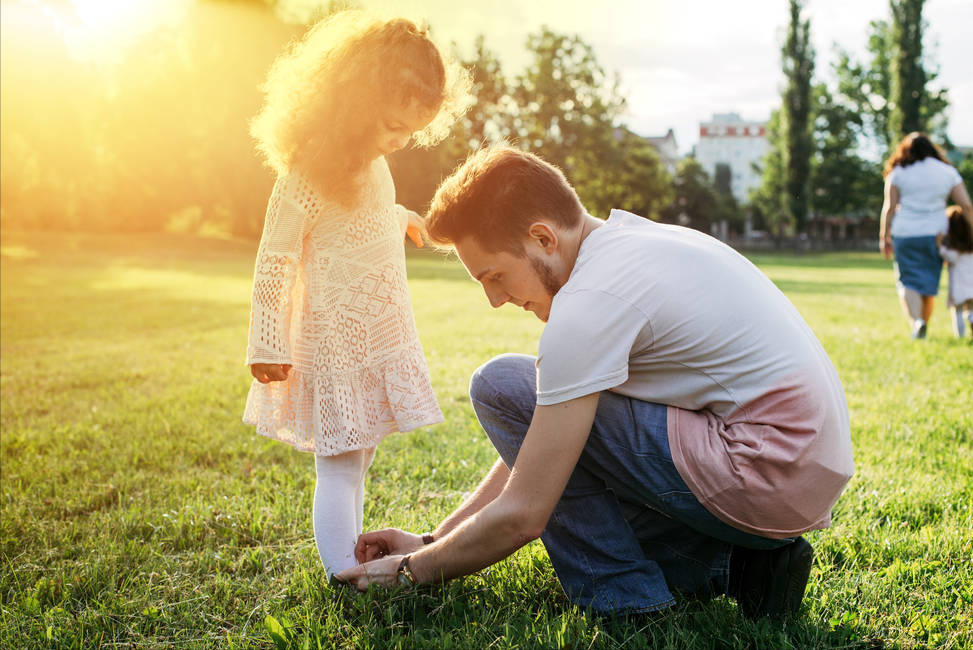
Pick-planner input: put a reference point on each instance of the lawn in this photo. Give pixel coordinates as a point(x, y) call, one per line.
point(138, 511)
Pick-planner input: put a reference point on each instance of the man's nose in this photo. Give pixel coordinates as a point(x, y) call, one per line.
point(496, 297)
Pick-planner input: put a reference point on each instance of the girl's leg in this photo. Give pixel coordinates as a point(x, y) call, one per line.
point(958, 317)
point(337, 513)
point(368, 456)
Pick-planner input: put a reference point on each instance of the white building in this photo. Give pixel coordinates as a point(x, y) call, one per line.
point(668, 151)
point(737, 143)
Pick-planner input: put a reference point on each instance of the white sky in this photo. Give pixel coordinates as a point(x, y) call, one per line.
point(681, 61)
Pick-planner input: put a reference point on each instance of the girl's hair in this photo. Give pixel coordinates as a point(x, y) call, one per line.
point(326, 94)
point(913, 148)
point(496, 195)
point(958, 236)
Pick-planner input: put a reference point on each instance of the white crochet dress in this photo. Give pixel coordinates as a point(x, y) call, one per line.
point(330, 297)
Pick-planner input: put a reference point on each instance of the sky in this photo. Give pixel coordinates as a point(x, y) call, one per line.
point(680, 62)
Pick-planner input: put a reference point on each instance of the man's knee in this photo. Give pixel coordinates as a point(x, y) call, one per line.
point(502, 375)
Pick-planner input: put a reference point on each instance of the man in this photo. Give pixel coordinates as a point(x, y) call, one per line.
point(679, 429)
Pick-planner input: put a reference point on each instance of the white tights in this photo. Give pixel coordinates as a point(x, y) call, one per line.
point(339, 500)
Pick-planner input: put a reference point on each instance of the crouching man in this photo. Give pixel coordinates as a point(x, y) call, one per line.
point(678, 431)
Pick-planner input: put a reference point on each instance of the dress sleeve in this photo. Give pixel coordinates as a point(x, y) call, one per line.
point(949, 255)
point(274, 276)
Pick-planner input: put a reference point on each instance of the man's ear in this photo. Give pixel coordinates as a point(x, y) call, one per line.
point(541, 234)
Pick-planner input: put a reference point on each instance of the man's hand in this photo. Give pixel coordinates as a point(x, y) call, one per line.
point(389, 541)
point(268, 372)
point(415, 228)
point(382, 572)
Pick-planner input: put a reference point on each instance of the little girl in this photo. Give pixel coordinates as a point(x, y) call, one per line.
point(333, 345)
point(957, 250)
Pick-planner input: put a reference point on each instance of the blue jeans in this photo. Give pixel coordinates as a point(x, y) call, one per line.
point(627, 528)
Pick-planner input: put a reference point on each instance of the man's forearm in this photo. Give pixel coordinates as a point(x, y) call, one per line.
point(488, 490)
point(480, 540)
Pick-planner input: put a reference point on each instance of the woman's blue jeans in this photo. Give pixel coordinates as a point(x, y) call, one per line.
point(627, 529)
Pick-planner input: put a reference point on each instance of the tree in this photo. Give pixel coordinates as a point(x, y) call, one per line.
point(907, 74)
point(696, 201)
point(842, 182)
point(766, 199)
point(870, 89)
point(798, 66)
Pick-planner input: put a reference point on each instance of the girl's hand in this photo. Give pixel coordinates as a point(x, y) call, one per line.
point(268, 372)
point(415, 228)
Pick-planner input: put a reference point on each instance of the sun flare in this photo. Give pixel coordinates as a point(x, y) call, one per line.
point(102, 31)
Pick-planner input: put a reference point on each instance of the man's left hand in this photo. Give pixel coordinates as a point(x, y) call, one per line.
point(383, 572)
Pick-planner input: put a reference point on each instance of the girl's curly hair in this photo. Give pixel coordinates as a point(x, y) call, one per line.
point(959, 237)
point(325, 95)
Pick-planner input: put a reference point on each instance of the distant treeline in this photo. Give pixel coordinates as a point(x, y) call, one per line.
point(160, 141)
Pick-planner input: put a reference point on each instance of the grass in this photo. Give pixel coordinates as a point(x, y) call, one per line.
point(138, 511)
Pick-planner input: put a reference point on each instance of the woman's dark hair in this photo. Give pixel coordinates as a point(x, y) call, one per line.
point(913, 148)
point(958, 237)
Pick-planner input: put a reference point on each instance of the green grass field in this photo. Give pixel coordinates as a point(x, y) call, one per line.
point(138, 511)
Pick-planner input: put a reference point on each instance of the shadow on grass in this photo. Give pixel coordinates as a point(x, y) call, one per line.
point(474, 614)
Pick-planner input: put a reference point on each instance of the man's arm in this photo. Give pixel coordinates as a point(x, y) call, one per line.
point(392, 541)
point(488, 490)
point(519, 514)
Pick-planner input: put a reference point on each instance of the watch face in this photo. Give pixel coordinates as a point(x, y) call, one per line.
point(404, 580)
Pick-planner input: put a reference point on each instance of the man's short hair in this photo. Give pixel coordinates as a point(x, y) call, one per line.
point(496, 195)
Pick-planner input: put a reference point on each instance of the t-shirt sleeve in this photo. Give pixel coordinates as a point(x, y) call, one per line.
point(586, 345)
point(954, 176)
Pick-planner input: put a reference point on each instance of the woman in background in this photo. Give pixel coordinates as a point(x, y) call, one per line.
point(918, 182)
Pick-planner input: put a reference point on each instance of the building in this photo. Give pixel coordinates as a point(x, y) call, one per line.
point(668, 152)
point(737, 143)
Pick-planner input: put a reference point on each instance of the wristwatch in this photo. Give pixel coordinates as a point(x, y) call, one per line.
point(404, 573)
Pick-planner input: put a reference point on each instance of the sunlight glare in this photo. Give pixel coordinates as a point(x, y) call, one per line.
point(101, 31)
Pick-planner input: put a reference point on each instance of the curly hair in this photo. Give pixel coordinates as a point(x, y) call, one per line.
point(958, 236)
point(914, 147)
point(327, 92)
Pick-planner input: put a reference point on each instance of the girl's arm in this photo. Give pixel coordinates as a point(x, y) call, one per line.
point(888, 211)
point(275, 273)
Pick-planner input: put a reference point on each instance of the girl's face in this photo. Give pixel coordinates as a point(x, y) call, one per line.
point(397, 126)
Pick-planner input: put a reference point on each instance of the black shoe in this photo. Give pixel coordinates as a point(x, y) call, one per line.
point(770, 583)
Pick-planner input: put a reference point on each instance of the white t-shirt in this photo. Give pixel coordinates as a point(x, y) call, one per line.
point(757, 420)
point(924, 187)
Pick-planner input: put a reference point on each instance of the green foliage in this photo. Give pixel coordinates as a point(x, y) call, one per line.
point(894, 90)
point(565, 108)
point(907, 73)
point(138, 511)
point(842, 182)
point(797, 59)
point(766, 200)
point(698, 203)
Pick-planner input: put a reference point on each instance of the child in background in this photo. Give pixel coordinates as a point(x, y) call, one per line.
point(333, 346)
point(956, 248)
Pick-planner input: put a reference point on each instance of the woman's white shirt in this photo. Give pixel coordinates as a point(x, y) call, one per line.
point(924, 188)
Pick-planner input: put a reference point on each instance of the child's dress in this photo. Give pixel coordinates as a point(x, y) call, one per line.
point(330, 297)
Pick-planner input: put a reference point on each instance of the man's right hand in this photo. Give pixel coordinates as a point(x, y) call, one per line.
point(388, 541)
point(268, 372)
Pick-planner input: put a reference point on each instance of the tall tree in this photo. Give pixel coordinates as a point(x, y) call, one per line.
point(870, 89)
point(907, 74)
point(842, 182)
point(765, 200)
point(798, 66)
